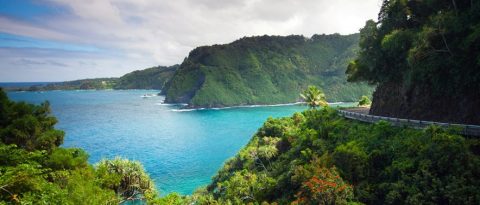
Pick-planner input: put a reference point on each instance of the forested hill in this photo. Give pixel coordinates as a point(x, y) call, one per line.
point(150, 78)
point(266, 70)
point(424, 56)
point(318, 157)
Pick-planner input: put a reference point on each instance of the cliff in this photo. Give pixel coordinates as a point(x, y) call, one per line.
point(424, 58)
point(266, 70)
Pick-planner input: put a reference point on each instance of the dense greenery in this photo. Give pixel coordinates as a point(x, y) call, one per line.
point(266, 70)
point(84, 84)
point(314, 157)
point(425, 57)
point(314, 97)
point(364, 101)
point(35, 170)
point(150, 78)
point(317, 157)
point(127, 178)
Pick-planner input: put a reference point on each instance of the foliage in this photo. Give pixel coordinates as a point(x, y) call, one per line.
point(35, 170)
point(127, 178)
point(324, 187)
point(170, 199)
point(314, 97)
point(149, 78)
point(364, 101)
point(265, 70)
point(429, 50)
point(318, 157)
point(28, 126)
point(84, 84)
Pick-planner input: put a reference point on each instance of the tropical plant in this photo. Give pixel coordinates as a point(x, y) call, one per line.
point(419, 52)
point(127, 178)
point(364, 101)
point(34, 169)
point(318, 157)
point(314, 97)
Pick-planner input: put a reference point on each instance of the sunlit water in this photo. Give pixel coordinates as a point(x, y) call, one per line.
point(181, 150)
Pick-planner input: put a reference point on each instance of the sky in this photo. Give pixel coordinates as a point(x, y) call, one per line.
point(58, 40)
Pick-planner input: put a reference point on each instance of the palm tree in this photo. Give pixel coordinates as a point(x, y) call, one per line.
point(127, 178)
point(314, 97)
point(364, 101)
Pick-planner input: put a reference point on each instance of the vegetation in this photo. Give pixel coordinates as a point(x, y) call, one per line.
point(85, 84)
point(265, 70)
point(314, 97)
point(364, 101)
point(424, 57)
point(127, 178)
point(35, 170)
point(314, 157)
point(318, 157)
point(150, 78)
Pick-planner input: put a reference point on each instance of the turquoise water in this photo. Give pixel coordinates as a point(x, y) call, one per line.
point(181, 150)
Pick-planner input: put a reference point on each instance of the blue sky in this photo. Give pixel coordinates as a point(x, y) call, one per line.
point(56, 40)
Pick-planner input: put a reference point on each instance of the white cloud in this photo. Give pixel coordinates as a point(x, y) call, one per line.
point(146, 33)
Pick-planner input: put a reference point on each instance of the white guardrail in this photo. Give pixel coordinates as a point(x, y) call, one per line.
point(469, 130)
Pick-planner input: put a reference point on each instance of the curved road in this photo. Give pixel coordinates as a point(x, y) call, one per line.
point(361, 114)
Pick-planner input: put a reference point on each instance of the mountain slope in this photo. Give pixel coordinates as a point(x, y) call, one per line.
point(318, 157)
point(83, 84)
point(265, 70)
point(424, 57)
point(150, 78)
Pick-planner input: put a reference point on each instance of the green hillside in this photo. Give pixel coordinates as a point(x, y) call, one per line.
point(150, 78)
point(424, 57)
point(318, 157)
point(266, 70)
point(84, 84)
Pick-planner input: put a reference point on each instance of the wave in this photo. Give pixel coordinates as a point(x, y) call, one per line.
point(171, 104)
point(231, 107)
point(187, 110)
point(239, 106)
point(337, 103)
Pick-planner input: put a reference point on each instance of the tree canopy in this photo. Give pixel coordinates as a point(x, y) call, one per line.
point(35, 170)
point(266, 70)
point(364, 101)
point(424, 57)
point(314, 97)
point(318, 157)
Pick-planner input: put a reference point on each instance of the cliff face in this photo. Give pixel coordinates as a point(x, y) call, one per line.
point(424, 55)
point(266, 70)
point(420, 103)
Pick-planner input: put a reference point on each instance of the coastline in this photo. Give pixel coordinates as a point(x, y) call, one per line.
point(186, 108)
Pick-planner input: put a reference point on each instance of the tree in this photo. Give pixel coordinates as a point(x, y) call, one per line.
point(314, 97)
point(127, 178)
point(364, 101)
point(419, 52)
point(34, 169)
point(28, 126)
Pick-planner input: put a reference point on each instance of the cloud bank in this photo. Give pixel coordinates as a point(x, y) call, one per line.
point(134, 34)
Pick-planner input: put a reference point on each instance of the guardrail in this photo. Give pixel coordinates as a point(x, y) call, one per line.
point(469, 130)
